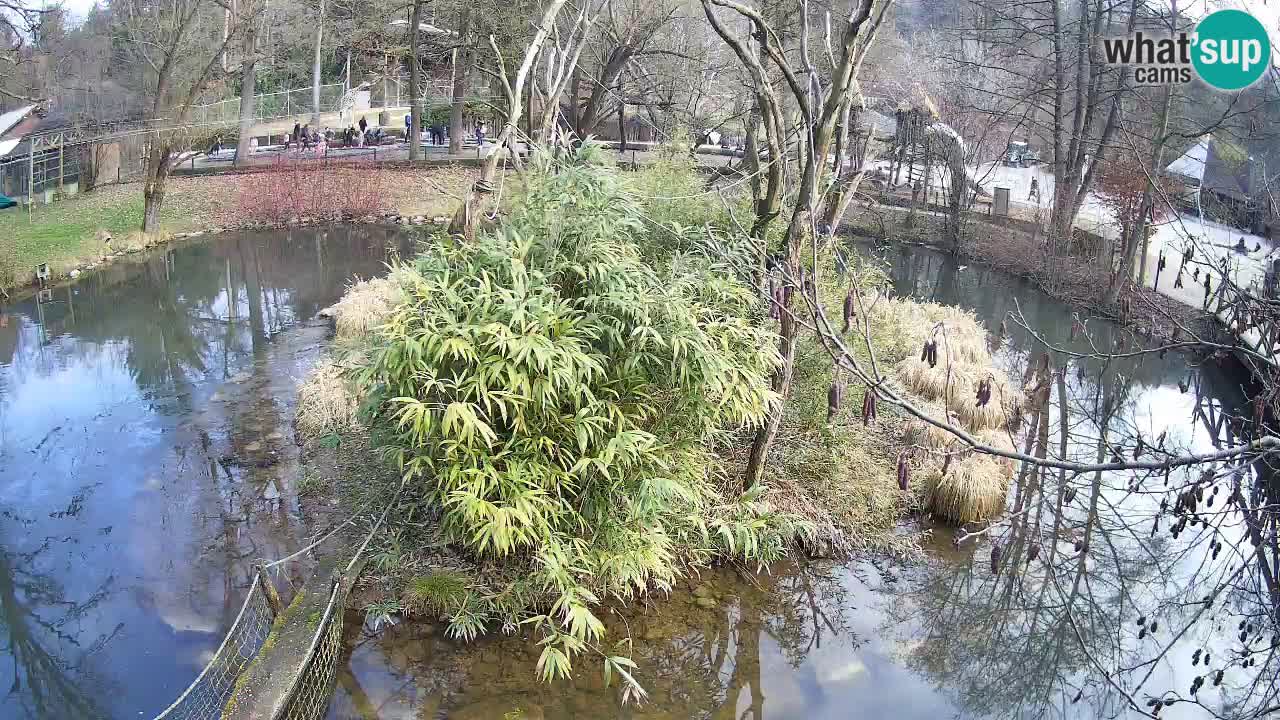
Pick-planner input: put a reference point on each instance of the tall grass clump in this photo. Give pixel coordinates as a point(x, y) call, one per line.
point(326, 402)
point(558, 401)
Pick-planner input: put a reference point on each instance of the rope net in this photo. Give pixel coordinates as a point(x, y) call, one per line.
point(208, 694)
point(308, 698)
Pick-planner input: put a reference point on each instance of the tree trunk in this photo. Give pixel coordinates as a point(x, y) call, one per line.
point(248, 101)
point(622, 128)
point(1137, 234)
point(158, 166)
point(464, 221)
point(315, 69)
point(415, 74)
point(781, 383)
point(461, 73)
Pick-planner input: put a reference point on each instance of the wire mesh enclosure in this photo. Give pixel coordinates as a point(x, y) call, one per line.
point(308, 698)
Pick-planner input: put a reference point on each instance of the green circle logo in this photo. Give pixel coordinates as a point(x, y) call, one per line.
point(1232, 49)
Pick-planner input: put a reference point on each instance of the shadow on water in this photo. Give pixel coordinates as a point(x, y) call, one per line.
point(947, 637)
point(147, 458)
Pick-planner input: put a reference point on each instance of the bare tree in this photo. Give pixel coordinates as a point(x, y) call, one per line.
point(821, 102)
point(177, 48)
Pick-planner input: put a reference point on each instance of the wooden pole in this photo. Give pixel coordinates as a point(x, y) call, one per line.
point(269, 589)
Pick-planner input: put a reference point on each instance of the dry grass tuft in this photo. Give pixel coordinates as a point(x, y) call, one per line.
point(959, 386)
point(962, 339)
point(365, 306)
point(327, 403)
point(974, 488)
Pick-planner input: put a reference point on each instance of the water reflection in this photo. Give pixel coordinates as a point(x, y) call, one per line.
point(1053, 629)
point(1048, 631)
point(791, 643)
point(147, 457)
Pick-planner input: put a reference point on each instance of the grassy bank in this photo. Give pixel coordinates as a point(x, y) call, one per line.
point(72, 233)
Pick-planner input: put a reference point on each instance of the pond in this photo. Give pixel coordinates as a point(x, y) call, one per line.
point(147, 459)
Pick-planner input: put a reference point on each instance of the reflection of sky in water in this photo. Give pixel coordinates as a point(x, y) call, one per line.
point(935, 641)
point(131, 509)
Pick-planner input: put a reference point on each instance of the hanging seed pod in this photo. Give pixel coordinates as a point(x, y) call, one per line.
point(1080, 546)
point(868, 406)
point(1068, 496)
point(1033, 552)
point(946, 464)
point(849, 313)
point(984, 392)
point(1138, 448)
point(1142, 633)
point(1142, 620)
point(835, 394)
point(1217, 678)
point(1154, 625)
point(1182, 387)
point(1160, 440)
point(1195, 658)
point(996, 553)
point(1080, 371)
point(1004, 329)
point(904, 472)
point(924, 352)
point(933, 353)
point(1079, 694)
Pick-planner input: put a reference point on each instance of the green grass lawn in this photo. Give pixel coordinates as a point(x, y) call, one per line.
point(64, 233)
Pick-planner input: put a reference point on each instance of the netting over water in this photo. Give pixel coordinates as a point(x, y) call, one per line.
point(206, 697)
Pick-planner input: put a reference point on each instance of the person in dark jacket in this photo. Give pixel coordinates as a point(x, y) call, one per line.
point(364, 125)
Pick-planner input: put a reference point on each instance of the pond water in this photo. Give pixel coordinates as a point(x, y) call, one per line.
point(945, 637)
point(147, 458)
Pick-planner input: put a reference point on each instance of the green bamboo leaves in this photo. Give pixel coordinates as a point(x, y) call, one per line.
point(558, 396)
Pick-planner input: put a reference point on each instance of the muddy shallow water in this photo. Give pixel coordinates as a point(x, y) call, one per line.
point(147, 459)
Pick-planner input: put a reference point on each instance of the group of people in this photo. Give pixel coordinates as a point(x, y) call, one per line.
point(305, 138)
point(358, 135)
point(436, 133)
point(361, 135)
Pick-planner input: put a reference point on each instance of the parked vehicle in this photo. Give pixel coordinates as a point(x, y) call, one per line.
point(1021, 154)
point(7, 202)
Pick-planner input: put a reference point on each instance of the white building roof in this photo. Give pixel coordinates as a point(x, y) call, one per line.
point(1192, 163)
point(13, 117)
point(7, 146)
